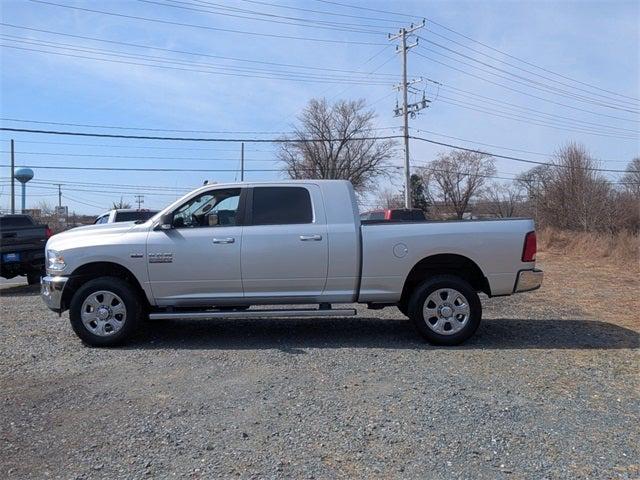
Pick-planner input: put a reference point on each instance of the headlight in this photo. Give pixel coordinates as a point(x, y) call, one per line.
point(55, 261)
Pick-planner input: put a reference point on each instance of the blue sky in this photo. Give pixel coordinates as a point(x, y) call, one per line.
point(593, 42)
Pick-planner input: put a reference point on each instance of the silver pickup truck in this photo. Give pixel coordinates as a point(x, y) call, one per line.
point(225, 248)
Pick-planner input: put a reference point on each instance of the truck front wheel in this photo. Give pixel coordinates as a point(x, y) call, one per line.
point(105, 311)
point(445, 310)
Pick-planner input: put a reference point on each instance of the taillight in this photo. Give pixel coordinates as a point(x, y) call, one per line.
point(48, 232)
point(530, 247)
point(387, 214)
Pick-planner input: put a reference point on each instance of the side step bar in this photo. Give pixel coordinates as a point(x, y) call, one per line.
point(299, 312)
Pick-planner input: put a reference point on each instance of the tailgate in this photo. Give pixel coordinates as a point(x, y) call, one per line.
point(23, 238)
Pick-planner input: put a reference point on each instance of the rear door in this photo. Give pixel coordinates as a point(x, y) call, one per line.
point(284, 243)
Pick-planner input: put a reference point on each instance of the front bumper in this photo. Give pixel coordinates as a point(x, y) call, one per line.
point(51, 292)
point(528, 280)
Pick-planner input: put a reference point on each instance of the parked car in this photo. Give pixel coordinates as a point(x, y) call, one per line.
point(125, 215)
point(394, 214)
point(22, 247)
point(295, 242)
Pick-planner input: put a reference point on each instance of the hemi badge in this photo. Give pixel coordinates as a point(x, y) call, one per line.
point(137, 255)
point(160, 257)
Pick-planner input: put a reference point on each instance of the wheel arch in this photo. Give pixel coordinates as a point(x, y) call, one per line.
point(92, 270)
point(445, 263)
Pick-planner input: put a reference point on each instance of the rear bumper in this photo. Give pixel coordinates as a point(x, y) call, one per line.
point(51, 292)
point(30, 261)
point(528, 280)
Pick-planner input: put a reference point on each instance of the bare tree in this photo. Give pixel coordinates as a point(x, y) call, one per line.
point(534, 182)
point(46, 210)
point(456, 177)
point(390, 199)
point(120, 204)
point(577, 196)
point(503, 200)
point(631, 179)
point(338, 149)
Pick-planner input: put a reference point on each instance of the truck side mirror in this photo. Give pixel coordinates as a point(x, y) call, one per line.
point(166, 222)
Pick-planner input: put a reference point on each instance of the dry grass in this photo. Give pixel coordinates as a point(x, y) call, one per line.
point(598, 274)
point(622, 248)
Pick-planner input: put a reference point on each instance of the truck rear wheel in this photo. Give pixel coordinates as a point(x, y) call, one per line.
point(105, 312)
point(445, 309)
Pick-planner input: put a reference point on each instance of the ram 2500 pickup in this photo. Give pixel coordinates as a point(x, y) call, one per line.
point(222, 249)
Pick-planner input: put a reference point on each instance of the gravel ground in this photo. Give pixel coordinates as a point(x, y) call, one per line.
point(541, 391)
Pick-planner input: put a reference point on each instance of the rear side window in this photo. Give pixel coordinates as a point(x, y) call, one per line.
point(400, 214)
point(17, 221)
point(133, 216)
point(281, 206)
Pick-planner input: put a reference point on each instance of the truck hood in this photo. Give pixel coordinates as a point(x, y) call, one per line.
point(90, 234)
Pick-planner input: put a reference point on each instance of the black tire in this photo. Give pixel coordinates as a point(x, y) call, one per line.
point(33, 278)
point(403, 307)
point(422, 293)
point(129, 297)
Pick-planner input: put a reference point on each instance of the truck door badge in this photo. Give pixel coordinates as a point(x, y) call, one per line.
point(160, 258)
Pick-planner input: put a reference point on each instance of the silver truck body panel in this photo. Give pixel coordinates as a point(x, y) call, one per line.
point(332, 259)
point(495, 246)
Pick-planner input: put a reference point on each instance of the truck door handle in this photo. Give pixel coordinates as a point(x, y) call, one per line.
point(224, 240)
point(310, 238)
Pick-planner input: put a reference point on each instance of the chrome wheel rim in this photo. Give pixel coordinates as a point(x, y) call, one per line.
point(446, 311)
point(103, 313)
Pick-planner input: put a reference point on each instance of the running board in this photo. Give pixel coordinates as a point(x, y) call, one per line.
point(300, 312)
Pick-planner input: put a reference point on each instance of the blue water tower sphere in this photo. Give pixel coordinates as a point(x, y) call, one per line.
point(23, 175)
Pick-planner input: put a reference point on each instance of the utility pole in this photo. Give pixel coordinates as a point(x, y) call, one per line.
point(13, 180)
point(403, 48)
point(242, 162)
point(59, 195)
point(140, 200)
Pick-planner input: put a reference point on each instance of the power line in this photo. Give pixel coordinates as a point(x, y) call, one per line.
point(286, 77)
point(522, 92)
point(191, 139)
point(140, 157)
point(431, 21)
point(387, 12)
point(216, 69)
point(320, 24)
point(145, 147)
point(300, 9)
point(466, 93)
point(419, 130)
point(549, 90)
point(146, 129)
point(82, 202)
point(529, 63)
point(515, 159)
point(186, 52)
point(263, 140)
point(544, 123)
point(620, 104)
point(634, 100)
point(205, 27)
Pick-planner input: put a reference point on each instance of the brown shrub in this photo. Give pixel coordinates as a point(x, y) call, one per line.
point(622, 247)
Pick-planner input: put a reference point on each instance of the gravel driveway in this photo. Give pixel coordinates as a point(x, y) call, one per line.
point(539, 392)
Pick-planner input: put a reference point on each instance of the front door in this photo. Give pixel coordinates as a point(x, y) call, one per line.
point(198, 260)
point(284, 244)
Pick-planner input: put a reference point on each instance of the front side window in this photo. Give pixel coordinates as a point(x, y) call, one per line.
point(216, 208)
point(281, 206)
point(102, 219)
